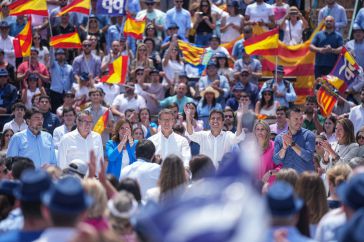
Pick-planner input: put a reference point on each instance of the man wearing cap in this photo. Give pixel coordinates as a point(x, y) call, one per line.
point(87, 62)
point(33, 66)
point(172, 35)
point(76, 168)
point(33, 184)
point(6, 42)
point(8, 93)
point(215, 143)
point(64, 207)
point(218, 82)
point(180, 98)
point(337, 12)
point(33, 143)
point(9, 67)
point(181, 17)
point(253, 65)
point(283, 90)
point(62, 78)
point(260, 13)
point(18, 123)
point(284, 208)
point(214, 46)
point(327, 45)
point(154, 16)
point(69, 122)
point(78, 143)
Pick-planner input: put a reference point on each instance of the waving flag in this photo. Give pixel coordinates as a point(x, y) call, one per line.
point(66, 41)
point(326, 100)
point(101, 124)
point(345, 71)
point(134, 28)
point(263, 44)
point(23, 41)
point(23, 7)
point(117, 71)
point(77, 6)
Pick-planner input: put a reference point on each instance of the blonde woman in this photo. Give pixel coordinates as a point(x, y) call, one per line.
point(141, 59)
point(335, 176)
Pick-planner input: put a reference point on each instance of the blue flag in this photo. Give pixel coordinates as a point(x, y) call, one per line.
point(111, 7)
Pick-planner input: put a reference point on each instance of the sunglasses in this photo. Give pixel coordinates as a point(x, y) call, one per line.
point(149, 4)
point(318, 142)
point(86, 46)
point(140, 74)
point(267, 94)
point(244, 96)
point(360, 137)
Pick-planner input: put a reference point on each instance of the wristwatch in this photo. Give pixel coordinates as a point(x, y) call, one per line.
point(293, 144)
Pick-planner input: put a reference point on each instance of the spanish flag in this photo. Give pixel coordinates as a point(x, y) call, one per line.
point(134, 28)
point(101, 124)
point(23, 41)
point(23, 7)
point(326, 100)
point(66, 41)
point(117, 71)
point(77, 6)
point(263, 44)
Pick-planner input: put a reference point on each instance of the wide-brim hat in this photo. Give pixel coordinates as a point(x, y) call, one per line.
point(351, 192)
point(281, 200)
point(211, 90)
point(67, 196)
point(33, 184)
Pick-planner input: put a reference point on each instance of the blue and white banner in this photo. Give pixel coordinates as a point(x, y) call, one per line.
point(111, 7)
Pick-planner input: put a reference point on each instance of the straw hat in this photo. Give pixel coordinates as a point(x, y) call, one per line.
point(293, 10)
point(211, 90)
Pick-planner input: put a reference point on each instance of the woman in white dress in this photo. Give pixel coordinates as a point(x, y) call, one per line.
point(232, 24)
point(293, 27)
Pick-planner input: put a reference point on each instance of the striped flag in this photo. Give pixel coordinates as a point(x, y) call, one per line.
point(66, 41)
point(117, 71)
point(264, 44)
point(23, 7)
point(77, 6)
point(326, 100)
point(191, 54)
point(101, 124)
point(134, 28)
point(23, 41)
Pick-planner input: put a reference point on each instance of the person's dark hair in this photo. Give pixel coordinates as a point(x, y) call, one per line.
point(303, 223)
point(63, 219)
point(31, 112)
point(40, 41)
point(248, 28)
point(173, 105)
point(204, 101)
point(18, 105)
point(150, 39)
point(145, 149)
point(35, 96)
point(132, 186)
point(201, 166)
point(44, 97)
point(226, 62)
point(208, 2)
point(20, 164)
point(118, 125)
point(311, 99)
point(129, 110)
point(333, 119)
point(196, 114)
point(67, 110)
point(94, 90)
point(179, 128)
point(282, 108)
point(2, 141)
point(349, 136)
point(113, 181)
point(263, 102)
point(217, 111)
point(31, 209)
point(294, 109)
point(144, 109)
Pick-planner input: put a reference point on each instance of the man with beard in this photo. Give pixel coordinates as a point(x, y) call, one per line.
point(356, 114)
point(327, 44)
point(295, 147)
point(32, 142)
point(312, 119)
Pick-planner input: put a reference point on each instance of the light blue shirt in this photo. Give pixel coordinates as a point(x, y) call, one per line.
point(289, 96)
point(173, 99)
point(62, 77)
point(359, 19)
point(182, 18)
point(114, 32)
point(339, 14)
point(39, 148)
point(203, 113)
point(224, 84)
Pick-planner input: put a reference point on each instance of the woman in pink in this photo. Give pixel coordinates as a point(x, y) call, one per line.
point(262, 134)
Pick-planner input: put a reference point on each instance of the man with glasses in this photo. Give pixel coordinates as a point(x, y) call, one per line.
point(167, 142)
point(237, 52)
point(6, 42)
point(78, 143)
point(229, 122)
point(154, 16)
point(181, 17)
point(87, 63)
point(252, 64)
point(32, 142)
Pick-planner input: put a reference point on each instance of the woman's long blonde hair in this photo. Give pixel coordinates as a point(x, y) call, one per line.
point(267, 128)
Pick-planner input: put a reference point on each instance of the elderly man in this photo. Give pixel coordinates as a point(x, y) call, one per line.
point(78, 143)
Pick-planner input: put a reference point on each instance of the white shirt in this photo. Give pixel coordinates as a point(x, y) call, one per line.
point(30, 95)
point(15, 127)
point(8, 47)
point(328, 225)
point(58, 133)
point(175, 144)
point(74, 146)
point(146, 173)
point(259, 12)
point(123, 103)
point(111, 91)
point(215, 147)
point(293, 33)
point(356, 116)
point(218, 49)
point(57, 235)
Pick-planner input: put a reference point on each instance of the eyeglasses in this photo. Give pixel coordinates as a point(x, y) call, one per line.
point(360, 137)
point(149, 4)
point(86, 45)
point(140, 74)
point(317, 142)
point(267, 94)
point(85, 122)
point(138, 133)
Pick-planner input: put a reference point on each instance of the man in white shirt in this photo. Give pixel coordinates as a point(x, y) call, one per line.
point(143, 170)
point(18, 123)
point(77, 144)
point(69, 118)
point(168, 142)
point(215, 143)
point(6, 42)
point(260, 13)
point(356, 114)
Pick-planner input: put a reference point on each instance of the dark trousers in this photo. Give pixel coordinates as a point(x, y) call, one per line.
point(56, 100)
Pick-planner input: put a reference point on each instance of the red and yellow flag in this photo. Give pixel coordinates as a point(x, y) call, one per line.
point(117, 71)
point(23, 41)
point(23, 7)
point(101, 124)
point(66, 41)
point(134, 28)
point(326, 100)
point(77, 6)
point(263, 44)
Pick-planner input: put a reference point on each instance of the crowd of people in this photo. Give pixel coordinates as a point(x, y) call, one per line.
point(168, 133)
